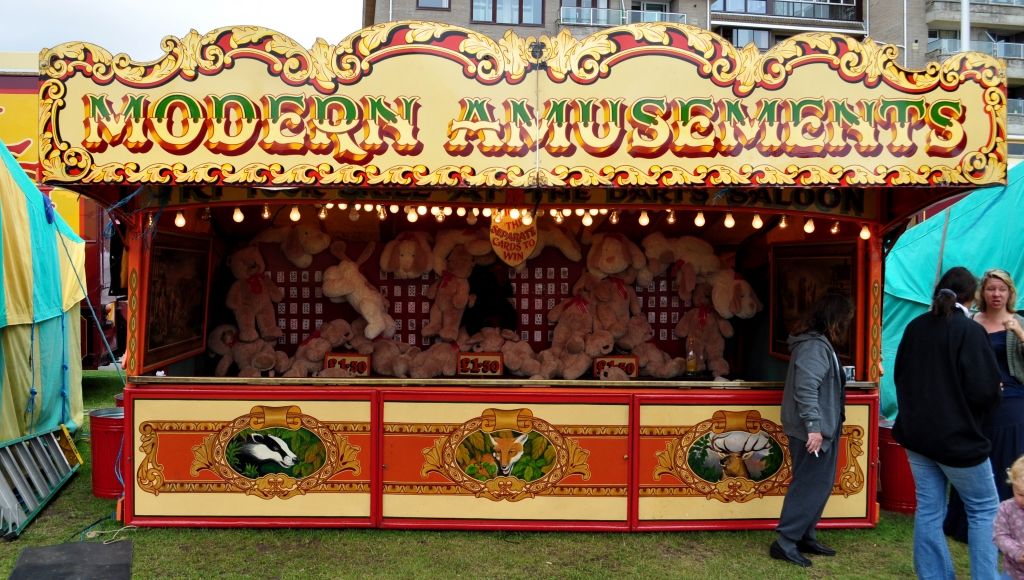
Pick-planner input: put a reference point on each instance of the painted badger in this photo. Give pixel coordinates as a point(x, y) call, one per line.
point(260, 448)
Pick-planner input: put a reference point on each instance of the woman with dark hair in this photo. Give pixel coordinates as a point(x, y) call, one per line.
point(947, 384)
point(812, 418)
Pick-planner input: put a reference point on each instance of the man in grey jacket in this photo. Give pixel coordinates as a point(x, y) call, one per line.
point(812, 418)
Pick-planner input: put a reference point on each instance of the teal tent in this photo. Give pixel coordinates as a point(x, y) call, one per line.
point(41, 267)
point(981, 231)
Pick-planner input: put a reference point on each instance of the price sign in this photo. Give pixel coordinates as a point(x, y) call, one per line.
point(357, 364)
point(477, 364)
point(626, 362)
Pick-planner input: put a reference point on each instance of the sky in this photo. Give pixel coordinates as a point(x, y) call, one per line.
point(137, 26)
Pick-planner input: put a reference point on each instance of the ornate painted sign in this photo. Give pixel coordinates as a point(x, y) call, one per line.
point(402, 104)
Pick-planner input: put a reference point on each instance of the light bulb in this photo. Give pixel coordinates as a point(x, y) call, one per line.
point(757, 222)
point(238, 216)
point(614, 218)
point(567, 212)
point(603, 211)
point(554, 212)
point(487, 212)
point(447, 211)
point(580, 211)
point(434, 210)
point(699, 220)
point(475, 212)
point(266, 212)
point(835, 228)
point(422, 210)
point(497, 215)
point(461, 212)
point(671, 217)
point(343, 206)
point(394, 208)
point(412, 216)
point(865, 233)
point(729, 220)
point(322, 214)
point(644, 218)
point(358, 206)
point(149, 221)
point(294, 215)
point(353, 215)
point(588, 220)
point(527, 218)
point(471, 219)
point(179, 220)
point(809, 225)
point(329, 204)
point(559, 219)
point(439, 217)
point(783, 223)
point(369, 207)
point(594, 211)
point(382, 213)
point(514, 213)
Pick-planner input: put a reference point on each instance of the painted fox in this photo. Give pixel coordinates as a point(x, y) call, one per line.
point(508, 449)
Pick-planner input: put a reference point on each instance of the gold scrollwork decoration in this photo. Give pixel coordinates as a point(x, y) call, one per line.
point(150, 475)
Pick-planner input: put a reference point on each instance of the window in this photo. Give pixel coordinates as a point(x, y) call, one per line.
point(744, 36)
point(508, 11)
point(433, 4)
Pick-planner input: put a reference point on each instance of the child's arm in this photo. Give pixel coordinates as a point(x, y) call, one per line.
point(1003, 536)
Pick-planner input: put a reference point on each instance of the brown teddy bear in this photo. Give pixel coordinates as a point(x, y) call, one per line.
point(252, 296)
point(450, 293)
point(574, 320)
point(252, 358)
point(299, 243)
point(309, 356)
point(705, 332)
point(614, 254)
point(408, 255)
point(615, 302)
point(441, 358)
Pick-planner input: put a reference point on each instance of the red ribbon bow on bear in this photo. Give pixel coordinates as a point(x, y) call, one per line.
point(255, 283)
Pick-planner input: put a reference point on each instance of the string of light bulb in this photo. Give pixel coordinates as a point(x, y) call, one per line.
point(524, 216)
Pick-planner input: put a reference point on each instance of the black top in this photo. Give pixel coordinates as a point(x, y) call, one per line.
point(1011, 386)
point(947, 382)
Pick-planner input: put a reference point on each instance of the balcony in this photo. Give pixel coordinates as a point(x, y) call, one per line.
point(790, 9)
point(615, 17)
point(995, 14)
point(1012, 52)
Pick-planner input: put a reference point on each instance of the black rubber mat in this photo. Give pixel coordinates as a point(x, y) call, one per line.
point(79, 560)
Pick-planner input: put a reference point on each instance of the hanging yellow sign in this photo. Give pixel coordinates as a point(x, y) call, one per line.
point(513, 240)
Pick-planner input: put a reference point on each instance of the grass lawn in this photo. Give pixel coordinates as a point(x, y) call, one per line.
point(884, 552)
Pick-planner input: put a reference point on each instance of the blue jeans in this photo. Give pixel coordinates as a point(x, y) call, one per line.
point(976, 485)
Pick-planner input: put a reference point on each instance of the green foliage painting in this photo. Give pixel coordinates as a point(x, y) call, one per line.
point(252, 454)
point(707, 464)
point(526, 456)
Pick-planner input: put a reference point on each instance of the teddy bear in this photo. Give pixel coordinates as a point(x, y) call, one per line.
point(705, 331)
point(441, 358)
point(612, 254)
point(299, 243)
point(252, 296)
point(662, 252)
point(450, 295)
point(733, 296)
point(391, 358)
point(519, 357)
point(408, 255)
point(651, 360)
point(344, 282)
point(309, 356)
point(476, 240)
point(612, 373)
point(252, 358)
point(574, 320)
point(615, 301)
point(571, 365)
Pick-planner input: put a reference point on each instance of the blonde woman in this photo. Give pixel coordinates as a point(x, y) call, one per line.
point(996, 300)
point(1008, 530)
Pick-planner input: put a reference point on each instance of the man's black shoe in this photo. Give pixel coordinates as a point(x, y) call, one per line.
point(814, 547)
point(792, 556)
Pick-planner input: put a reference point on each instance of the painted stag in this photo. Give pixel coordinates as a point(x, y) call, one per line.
point(734, 448)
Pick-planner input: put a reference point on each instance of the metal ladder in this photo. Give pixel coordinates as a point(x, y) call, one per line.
point(32, 470)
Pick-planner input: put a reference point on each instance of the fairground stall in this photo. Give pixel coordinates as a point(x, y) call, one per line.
point(426, 279)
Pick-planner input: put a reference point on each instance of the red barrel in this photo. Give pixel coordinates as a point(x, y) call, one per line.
point(106, 428)
point(896, 482)
point(119, 400)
